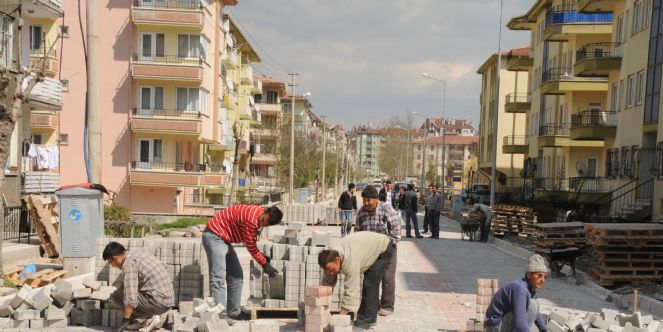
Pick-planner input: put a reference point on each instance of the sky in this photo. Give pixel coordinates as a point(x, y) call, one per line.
point(362, 60)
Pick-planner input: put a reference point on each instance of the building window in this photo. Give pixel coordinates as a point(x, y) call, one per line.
point(151, 97)
point(188, 99)
point(190, 46)
point(640, 88)
point(635, 24)
point(272, 97)
point(36, 37)
point(152, 44)
point(613, 96)
point(630, 91)
point(646, 14)
point(37, 139)
point(620, 99)
point(64, 139)
point(150, 150)
point(6, 42)
point(64, 31)
point(65, 85)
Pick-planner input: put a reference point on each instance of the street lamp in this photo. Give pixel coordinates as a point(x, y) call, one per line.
point(444, 127)
point(493, 173)
point(292, 145)
point(423, 154)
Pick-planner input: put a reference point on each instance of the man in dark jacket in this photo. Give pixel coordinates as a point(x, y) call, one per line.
point(347, 204)
point(387, 195)
point(411, 212)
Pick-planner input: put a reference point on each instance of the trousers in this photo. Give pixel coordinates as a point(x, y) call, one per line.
point(225, 273)
point(370, 291)
point(346, 222)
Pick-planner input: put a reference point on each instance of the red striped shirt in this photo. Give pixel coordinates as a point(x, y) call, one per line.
point(239, 223)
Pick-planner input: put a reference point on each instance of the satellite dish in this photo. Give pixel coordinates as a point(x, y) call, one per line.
point(581, 168)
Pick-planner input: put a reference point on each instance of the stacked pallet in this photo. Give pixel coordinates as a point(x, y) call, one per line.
point(626, 253)
point(559, 235)
point(513, 220)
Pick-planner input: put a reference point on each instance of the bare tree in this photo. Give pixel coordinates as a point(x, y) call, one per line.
point(238, 131)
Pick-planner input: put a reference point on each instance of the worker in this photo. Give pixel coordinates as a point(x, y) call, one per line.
point(514, 307)
point(484, 226)
point(236, 224)
point(380, 217)
point(147, 293)
point(366, 253)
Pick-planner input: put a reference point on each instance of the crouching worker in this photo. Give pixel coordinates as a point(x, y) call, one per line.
point(514, 307)
point(366, 253)
point(147, 290)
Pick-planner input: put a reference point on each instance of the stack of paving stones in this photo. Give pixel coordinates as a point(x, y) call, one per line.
point(202, 315)
point(295, 256)
point(513, 220)
point(60, 305)
point(317, 302)
point(563, 320)
point(559, 235)
point(626, 253)
point(184, 258)
point(486, 289)
point(341, 323)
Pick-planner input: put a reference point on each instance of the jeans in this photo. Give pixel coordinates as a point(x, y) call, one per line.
point(426, 220)
point(225, 273)
point(346, 222)
point(411, 215)
point(483, 229)
point(389, 283)
point(147, 306)
point(370, 292)
point(507, 323)
point(434, 221)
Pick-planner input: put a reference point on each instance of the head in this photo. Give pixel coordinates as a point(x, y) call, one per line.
point(387, 185)
point(352, 188)
point(537, 271)
point(370, 198)
point(401, 189)
point(330, 261)
point(114, 254)
point(430, 188)
point(270, 216)
point(410, 187)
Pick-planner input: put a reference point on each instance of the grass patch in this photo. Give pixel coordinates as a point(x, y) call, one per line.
point(182, 223)
point(10, 283)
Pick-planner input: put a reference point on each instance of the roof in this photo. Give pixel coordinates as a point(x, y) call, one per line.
point(528, 20)
point(268, 82)
point(451, 140)
point(457, 124)
point(247, 50)
point(493, 57)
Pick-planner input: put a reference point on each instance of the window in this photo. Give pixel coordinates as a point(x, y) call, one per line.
point(6, 42)
point(204, 98)
point(635, 24)
point(151, 98)
point(64, 31)
point(272, 97)
point(659, 160)
point(204, 47)
point(646, 14)
point(630, 91)
point(65, 85)
point(152, 44)
point(150, 151)
point(189, 46)
point(620, 100)
point(608, 163)
point(640, 87)
point(192, 99)
point(36, 37)
point(37, 139)
point(623, 172)
point(615, 163)
point(613, 96)
point(619, 31)
point(64, 139)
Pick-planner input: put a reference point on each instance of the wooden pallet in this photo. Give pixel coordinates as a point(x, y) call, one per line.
point(261, 312)
point(44, 277)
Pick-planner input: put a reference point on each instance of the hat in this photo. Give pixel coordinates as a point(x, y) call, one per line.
point(369, 192)
point(537, 264)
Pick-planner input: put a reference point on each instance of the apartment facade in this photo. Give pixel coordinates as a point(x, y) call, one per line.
point(367, 142)
point(447, 156)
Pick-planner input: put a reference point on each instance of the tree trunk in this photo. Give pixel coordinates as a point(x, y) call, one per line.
point(234, 186)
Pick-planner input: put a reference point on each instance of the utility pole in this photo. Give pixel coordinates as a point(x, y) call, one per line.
point(336, 171)
point(423, 157)
point(324, 156)
point(292, 137)
point(93, 92)
point(407, 152)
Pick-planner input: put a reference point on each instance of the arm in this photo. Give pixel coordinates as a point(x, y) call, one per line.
point(249, 232)
point(351, 292)
point(354, 203)
point(540, 323)
point(130, 288)
point(519, 310)
point(340, 200)
point(394, 224)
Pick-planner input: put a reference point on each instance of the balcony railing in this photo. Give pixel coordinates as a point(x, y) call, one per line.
point(175, 4)
point(169, 167)
point(594, 119)
point(590, 184)
point(599, 51)
point(167, 59)
point(568, 14)
point(165, 113)
point(555, 129)
point(566, 74)
point(520, 52)
point(515, 140)
point(551, 183)
point(518, 98)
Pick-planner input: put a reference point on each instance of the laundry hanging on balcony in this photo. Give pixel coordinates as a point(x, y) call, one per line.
point(44, 157)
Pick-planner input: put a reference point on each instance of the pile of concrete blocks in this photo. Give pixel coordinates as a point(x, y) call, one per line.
point(609, 320)
point(317, 303)
point(202, 315)
point(60, 305)
point(263, 326)
point(184, 258)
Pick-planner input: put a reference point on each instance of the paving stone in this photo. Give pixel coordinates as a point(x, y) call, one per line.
point(318, 301)
point(82, 293)
point(92, 284)
point(54, 313)
point(263, 326)
point(341, 320)
point(26, 314)
point(318, 291)
point(21, 296)
point(21, 324)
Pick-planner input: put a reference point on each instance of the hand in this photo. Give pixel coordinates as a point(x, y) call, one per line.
point(267, 258)
point(343, 312)
point(270, 270)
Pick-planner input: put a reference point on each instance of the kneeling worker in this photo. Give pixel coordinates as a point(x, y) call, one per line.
point(366, 253)
point(148, 290)
point(514, 307)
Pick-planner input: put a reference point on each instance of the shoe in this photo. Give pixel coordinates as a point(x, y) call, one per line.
point(241, 316)
point(151, 324)
point(408, 236)
point(420, 237)
point(366, 326)
point(434, 237)
point(385, 312)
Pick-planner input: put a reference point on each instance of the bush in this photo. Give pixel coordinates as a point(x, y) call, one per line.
point(182, 223)
point(116, 212)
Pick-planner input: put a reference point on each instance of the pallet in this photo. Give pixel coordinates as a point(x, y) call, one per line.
point(45, 277)
point(604, 280)
point(260, 312)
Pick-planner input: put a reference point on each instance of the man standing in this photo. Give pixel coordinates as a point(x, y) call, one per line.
point(347, 204)
point(401, 201)
point(147, 290)
point(434, 208)
point(387, 195)
point(236, 224)
point(380, 217)
point(411, 212)
point(514, 307)
point(364, 253)
point(484, 226)
point(425, 197)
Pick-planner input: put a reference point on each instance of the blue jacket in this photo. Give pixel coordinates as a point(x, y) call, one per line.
point(513, 297)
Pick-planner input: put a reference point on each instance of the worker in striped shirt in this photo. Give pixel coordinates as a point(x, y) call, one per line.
point(236, 224)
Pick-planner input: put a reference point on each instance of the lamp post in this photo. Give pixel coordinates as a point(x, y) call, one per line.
point(444, 129)
point(493, 173)
point(423, 153)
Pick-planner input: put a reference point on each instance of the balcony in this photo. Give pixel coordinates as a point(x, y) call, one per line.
point(167, 67)
point(246, 75)
point(520, 59)
point(45, 60)
point(51, 9)
point(593, 125)
point(181, 13)
point(230, 59)
point(517, 102)
point(44, 119)
point(225, 144)
point(163, 121)
point(515, 144)
point(257, 86)
point(163, 174)
point(558, 81)
point(598, 59)
point(271, 109)
point(597, 6)
point(271, 132)
point(46, 94)
point(564, 20)
point(559, 135)
point(264, 159)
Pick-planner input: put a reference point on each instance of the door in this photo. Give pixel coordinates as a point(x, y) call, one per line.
point(152, 45)
point(596, 116)
point(592, 171)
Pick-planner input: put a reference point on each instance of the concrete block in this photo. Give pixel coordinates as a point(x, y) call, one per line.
point(6, 309)
point(221, 325)
point(26, 314)
point(37, 324)
point(100, 296)
point(560, 319)
point(67, 308)
point(20, 296)
point(615, 328)
point(653, 326)
point(275, 287)
point(206, 317)
point(554, 326)
point(318, 319)
point(54, 313)
point(82, 293)
point(92, 284)
point(318, 291)
point(592, 329)
point(291, 234)
point(320, 239)
point(62, 291)
point(186, 307)
point(189, 325)
point(40, 300)
point(316, 328)
point(318, 301)
point(341, 320)
point(6, 323)
point(255, 302)
point(58, 323)
point(105, 317)
point(263, 326)
point(274, 303)
point(609, 315)
point(88, 304)
point(297, 226)
point(21, 324)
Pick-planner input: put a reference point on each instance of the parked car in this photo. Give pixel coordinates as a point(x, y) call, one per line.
point(361, 186)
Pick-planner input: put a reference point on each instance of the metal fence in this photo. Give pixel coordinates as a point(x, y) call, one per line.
point(17, 224)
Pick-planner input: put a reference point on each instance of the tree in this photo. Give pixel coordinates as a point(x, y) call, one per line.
point(394, 158)
point(234, 184)
point(431, 174)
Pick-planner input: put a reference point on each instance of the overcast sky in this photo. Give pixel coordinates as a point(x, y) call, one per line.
point(362, 59)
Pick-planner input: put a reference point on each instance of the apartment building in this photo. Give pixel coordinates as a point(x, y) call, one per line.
point(515, 102)
point(451, 126)
point(366, 142)
point(446, 155)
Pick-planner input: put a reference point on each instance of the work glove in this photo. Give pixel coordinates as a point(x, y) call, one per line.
point(267, 258)
point(270, 270)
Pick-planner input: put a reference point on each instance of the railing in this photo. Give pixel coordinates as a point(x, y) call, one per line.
point(594, 119)
point(178, 4)
point(42, 51)
point(644, 190)
point(598, 51)
point(568, 14)
point(165, 113)
point(515, 140)
point(590, 184)
point(555, 129)
point(520, 52)
point(521, 97)
point(167, 59)
point(551, 183)
point(161, 166)
point(223, 200)
point(17, 224)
